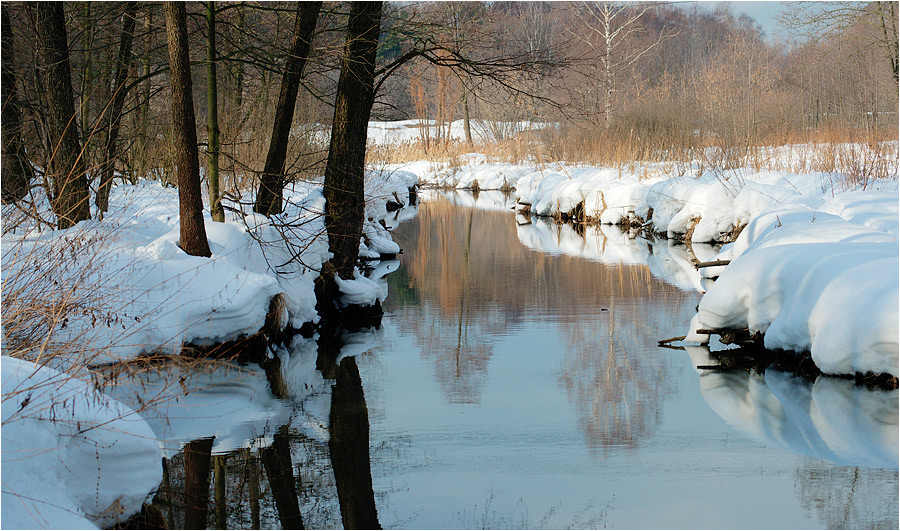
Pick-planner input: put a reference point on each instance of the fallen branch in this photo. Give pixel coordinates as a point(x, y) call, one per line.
point(662, 342)
point(713, 263)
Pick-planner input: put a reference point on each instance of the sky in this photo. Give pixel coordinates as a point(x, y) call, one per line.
point(765, 13)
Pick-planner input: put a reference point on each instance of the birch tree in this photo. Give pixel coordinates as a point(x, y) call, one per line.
point(612, 31)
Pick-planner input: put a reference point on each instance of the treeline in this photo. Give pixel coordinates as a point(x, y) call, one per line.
point(623, 80)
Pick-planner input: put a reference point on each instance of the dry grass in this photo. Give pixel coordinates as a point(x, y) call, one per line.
point(860, 157)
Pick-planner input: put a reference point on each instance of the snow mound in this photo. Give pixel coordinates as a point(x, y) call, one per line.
point(72, 457)
point(823, 281)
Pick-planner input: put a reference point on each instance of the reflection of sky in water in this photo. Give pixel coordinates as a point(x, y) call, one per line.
point(519, 388)
point(511, 387)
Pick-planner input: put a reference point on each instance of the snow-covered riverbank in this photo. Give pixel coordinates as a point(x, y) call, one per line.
point(113, 289)
point(814, 268)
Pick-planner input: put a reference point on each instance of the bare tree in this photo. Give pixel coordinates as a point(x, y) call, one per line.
point(345, 170)
point(268, 197)
point(820, 20)
point(212, 117)
point(612, 28)
point(193, 231)
point(114, 115)
point(17, 171)
point(70, 198)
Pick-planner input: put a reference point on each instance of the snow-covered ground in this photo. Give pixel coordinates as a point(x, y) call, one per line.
point(73, 458)
point(815, 267)
point(404, 132)
point(78, 457)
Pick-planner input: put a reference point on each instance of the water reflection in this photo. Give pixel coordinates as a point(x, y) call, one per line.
point(609, 244)
point(471, 283)
point(829, 418)
point(238, 458)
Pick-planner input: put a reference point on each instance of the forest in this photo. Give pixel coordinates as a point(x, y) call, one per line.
point(649, 81)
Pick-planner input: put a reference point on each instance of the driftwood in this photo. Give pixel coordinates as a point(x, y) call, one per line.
point(663, 342)
point(752, 355)
point(713, 263)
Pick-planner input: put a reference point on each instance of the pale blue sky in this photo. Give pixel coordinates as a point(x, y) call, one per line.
point(765, 13)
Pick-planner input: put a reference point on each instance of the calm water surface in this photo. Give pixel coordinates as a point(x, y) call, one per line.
point(519, 386)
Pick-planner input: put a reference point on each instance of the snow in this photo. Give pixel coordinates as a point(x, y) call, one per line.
point(814, 281)
point(73, 458)
point(410, 131)
point(815, 268)
point(78, 457)
point(156, 297)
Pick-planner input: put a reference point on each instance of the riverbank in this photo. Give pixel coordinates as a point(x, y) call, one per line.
point(107, 292)
point(812, 258)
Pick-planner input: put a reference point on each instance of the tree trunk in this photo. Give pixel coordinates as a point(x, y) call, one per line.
point(467, 124)
point(212, 100)
point(269, 195)
point(70, 201)
point(114, 118)
point(197, 456)
point(345, 170)
point(193, 232)
point(86, 77)
point(16, 170)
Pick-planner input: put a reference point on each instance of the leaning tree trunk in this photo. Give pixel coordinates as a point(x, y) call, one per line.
point(16, 170)
point(269, 195)
point(70, 201)
point(114, 120)
point(345, 170)
point(193, 231)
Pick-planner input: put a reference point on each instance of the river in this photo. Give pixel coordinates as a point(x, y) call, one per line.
point(516, 382)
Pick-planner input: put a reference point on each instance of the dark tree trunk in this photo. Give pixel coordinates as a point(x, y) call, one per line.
point(345, 170)
point(212, 117)
point(114, 118)
point(193, 231)
point(71, 195)
point(269, 195)
point(280, 471)
point(196, 482)
point(16, 170)
point(349, 448)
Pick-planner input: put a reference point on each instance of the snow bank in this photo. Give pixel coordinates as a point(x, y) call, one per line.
point(814, 268)
point(829, 418)
point(73, 458)
point(823, 281)
point(687, 201)
point(144, 293)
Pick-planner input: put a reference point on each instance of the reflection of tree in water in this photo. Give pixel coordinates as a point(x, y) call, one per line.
point(475, 280)
point(291, 483)
point(612, 370)
point(848, 497)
